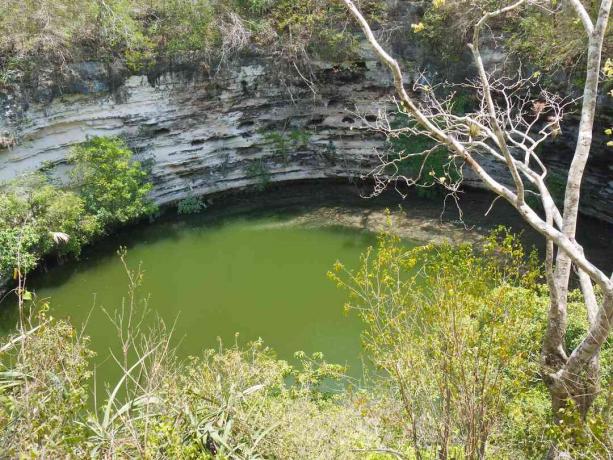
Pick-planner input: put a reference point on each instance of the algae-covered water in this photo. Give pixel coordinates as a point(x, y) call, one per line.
point(261, 277)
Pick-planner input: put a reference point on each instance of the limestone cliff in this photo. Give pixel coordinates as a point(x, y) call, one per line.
point(243, 125)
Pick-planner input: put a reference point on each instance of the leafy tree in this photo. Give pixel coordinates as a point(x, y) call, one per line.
point(38, 218)
point(114, 187)
point(504, 129)
point(456, 332)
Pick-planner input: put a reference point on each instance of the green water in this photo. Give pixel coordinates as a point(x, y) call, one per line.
point(261, 278)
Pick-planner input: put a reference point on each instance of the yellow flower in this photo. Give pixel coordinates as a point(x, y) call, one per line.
point(418, 27)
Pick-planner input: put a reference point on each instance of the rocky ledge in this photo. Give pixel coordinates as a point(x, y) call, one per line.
point(244, 126)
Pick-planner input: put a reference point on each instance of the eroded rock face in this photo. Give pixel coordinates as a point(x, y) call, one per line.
point(243, 126)
point(203, 135)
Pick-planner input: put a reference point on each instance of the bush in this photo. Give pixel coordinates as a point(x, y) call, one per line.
point(426, 170)
point(39, 218)
point(43, 401)
point(258, 169)
point(234, 404)
point(34, 215)
point(457, 332)
point(545, 40)
point(191, 205)
point(36, 34)
point(114, 187)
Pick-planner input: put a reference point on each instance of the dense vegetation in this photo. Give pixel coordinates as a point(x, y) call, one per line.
point(46, 35)
point(52, 33)
point(107, 188)
point(550, 40)
point(454, 333)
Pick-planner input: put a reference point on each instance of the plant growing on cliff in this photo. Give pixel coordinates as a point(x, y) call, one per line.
point(38, 35)
point(113, 185)
point(514, 117)
point(426, 174)
point(549, 38)
point(282, 143)
point(190, 205)
point(259, 170)
point(33, 212)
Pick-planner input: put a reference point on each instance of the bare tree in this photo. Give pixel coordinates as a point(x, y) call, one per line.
point(513, 118)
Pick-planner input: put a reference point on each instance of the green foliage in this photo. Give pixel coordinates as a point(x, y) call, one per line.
point(457, 332)
point(282, 143)
point(190, 205)
point(114, 187)
point(257, 168)
point(141, 32)
point(183, 26)
point(428, 170)
point(239, 403)
point(43, 401)
point(279, 143)
point(17, 250)
point(33, 211)
point(439, 23)
point(44, 26)
point(39, 218)
point(556, 183)
point(299, 138)
point(547, 40)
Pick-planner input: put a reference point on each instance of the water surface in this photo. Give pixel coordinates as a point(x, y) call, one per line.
point(259, 277)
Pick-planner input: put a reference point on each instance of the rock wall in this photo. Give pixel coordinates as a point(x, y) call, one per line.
point(202, 135)
point(245, 125)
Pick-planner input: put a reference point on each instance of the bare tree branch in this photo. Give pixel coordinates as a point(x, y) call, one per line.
point(583, 15)
point(511, 122)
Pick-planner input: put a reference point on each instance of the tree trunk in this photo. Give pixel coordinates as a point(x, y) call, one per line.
point(580, 392)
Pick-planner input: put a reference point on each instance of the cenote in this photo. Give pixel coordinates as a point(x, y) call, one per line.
point(215, 281)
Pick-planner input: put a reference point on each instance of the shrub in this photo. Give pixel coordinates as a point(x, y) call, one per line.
point(51, 33)
point(457, 332)
point(114, 187)
point(190, 205)
point(427, 170)
point(232, 403)
point(34, 213)
point(547, 40)
point(258, 169)
point(283, 143)
point(43, 401)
